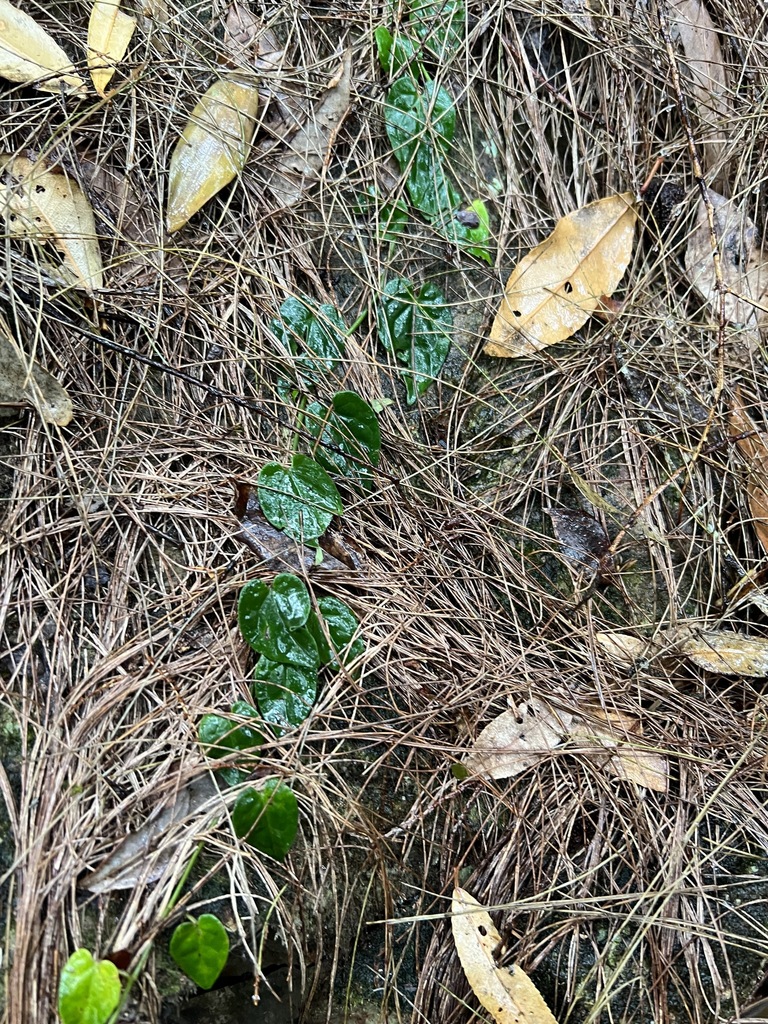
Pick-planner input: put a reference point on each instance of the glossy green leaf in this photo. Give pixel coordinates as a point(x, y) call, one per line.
point(89, 990)
point(416, 329)
point(285, 693)
point(421, 123)
point(343, 628)
point(300, 499)
point(252, 597)
point(220, 735)
point(350, 425)
point(200, 948)
point(267, 818)
point(395, 52)
point(314, 334)
point(439, 24)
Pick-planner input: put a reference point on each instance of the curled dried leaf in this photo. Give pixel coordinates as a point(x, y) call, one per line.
point(508, 995)
point(553, 291)
point(213, 148)
point(29, 55)
point(46, 205)
point(109, 33)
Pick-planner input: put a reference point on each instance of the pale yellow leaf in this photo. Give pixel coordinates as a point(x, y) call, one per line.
point(44, 205)
point(753, 445)
point(622, 648)
point(508, 995)
point(109, 33)
point(619, 735)
point(28, 54)
point(213, 148)
point(23, 381)
point(726, 652)
point(554, 290)
point(517, 740)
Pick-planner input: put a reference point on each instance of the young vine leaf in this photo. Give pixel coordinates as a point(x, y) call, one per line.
point(200, 948)
point(416, 328)
point(267, 818)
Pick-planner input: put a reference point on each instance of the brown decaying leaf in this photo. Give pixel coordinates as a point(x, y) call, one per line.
point(690, 21)
point(213, 148)
point(29, 55)
point(23, 381)
point(724, 651)
point(583, 540)
point(508, 995)
point(517, 740)
point(134, 860)
point(553, 291)
point(753, 445)
point(622, 648)
point(301, 164)
point(109, 33)
point(744, 269)
point(241, 31)
point(45, 205)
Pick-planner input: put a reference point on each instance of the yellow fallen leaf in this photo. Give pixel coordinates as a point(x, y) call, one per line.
point(552, 291)
point(508, 995)
point(517, 740)
point(726, 652)
point(213, 148)
point(109, 33)
point(753, 445)
point(45, 205)
point(28, 54)
point(23, 381)
point(619, 736)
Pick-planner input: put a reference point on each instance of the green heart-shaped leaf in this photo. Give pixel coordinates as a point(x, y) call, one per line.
point(201, 948)
point(89, 990)
point(300, 499)
point(285, 693)
point(267, 818)
point(350, 425)
point(416, 329)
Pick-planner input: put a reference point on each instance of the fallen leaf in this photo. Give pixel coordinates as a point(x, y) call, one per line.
point(744, 270)
point(508, 995)
point(690, 21)
point(213, 148)
point(622, 648)
point(724, 651)
point(23, 381)
point(141, 857)
point(45, 205)
point(302, 163)
point(517, 740)
point(753, 445)
point(109, 33)
point(241, 31)
point(619, 734)
point(553, 291)
point(29, 55)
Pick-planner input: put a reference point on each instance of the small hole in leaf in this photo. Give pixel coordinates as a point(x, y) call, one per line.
point(567, 287)
point(13, 217)
point(39, 189)
point(482, 929)
point(516, 312)
point(519, 720)
point(38, 220)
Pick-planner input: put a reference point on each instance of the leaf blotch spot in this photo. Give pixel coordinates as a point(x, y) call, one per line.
point(482, 929)
point(567, 287)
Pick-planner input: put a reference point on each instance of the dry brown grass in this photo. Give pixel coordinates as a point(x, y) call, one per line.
point(120, 570)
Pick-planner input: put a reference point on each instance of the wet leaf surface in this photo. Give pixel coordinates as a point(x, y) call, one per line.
point(416, 328)
point(351, 426)
point(285, 693)
point(300, 499)
point(201, 948)
point(267, 818)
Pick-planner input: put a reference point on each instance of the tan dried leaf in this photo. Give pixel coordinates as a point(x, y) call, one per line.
point(553, 291)
point(690, 21)
point(301, 164)
point(23, 381)
point(744, 269)
point(619, 735)
point(29, 55)
point(45, 205)
point(508, 995)
point(517, 740)
point(213, 148)
point(753, 445)
point(726, 652)
point(109, 33)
